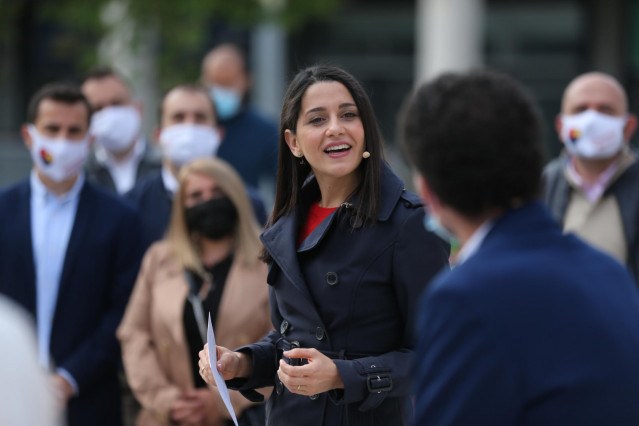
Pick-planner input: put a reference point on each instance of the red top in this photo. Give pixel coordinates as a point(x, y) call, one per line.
point(316, 215)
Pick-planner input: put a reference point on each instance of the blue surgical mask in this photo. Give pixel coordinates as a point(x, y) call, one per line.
point(432, 224)
point(227, 101)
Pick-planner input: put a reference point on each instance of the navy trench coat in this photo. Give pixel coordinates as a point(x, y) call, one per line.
point(349, 290)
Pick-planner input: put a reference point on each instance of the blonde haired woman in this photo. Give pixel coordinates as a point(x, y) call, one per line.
point(208, 262)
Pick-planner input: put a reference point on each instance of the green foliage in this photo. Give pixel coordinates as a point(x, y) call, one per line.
point(181, 26)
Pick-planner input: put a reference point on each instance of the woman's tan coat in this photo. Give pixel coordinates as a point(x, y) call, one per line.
point(154, 347)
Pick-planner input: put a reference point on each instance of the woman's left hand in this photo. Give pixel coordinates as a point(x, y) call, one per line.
point(319, 375)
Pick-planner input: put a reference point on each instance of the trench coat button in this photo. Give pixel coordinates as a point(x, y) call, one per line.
point(314, 397)
point(284, 327)
point(356, 222)
point(319, 333)
point(331, 278)
point(279, 388)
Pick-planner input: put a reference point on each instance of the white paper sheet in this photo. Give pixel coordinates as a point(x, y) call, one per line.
point(219, 381)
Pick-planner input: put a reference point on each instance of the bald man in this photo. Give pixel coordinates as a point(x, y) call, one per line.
point(593, 187)
point(250, 141)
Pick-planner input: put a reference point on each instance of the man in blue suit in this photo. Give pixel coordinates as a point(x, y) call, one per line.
point(531, 327)
point(69, 254)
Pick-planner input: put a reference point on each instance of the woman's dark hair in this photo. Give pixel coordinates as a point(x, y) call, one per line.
point(477, 139)
point(292, 175)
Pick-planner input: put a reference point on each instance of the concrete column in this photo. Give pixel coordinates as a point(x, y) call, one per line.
point(449, 36)
point(268, 68)
point(132, 52)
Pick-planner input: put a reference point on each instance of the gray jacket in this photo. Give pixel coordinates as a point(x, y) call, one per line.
point(625, 189)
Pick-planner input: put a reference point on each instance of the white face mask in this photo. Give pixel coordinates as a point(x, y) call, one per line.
point(58, 159)
point(116, 127)
point(182, 143)
point(591, 134)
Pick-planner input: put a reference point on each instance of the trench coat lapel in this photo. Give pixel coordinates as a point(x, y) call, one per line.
point(281, 241)
point(318, 233)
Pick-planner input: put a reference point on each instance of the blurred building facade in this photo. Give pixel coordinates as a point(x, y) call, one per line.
point(389, 46)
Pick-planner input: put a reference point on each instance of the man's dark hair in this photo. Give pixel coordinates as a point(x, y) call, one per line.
point(191, 88)
point(477, 140)
point(65, 93)
point(99, 73)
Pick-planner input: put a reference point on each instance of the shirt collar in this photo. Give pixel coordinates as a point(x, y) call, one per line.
point(171, 184)
point(474, 242)
point(594, 190)
point(104, 157)
point(39, 189)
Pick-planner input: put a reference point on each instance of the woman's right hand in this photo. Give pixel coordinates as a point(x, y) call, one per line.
point(229, 364)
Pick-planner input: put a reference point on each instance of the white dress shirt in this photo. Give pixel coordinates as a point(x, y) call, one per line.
point(52, 219)
point(171, 184)
point(474, 242)
point(123, 172)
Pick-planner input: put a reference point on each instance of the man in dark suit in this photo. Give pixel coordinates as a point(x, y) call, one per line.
point(69, 254)
point(188, 130)
point(250, 142)
point(120, 155)
point(531, 327)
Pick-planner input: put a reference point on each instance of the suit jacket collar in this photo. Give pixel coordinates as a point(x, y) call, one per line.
point(532, 220)
point(24, 244)
point(81, 230)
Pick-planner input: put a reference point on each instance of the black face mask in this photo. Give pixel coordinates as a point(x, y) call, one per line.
point(213, 219)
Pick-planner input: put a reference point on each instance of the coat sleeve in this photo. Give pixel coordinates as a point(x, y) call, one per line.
point(417, 257)
point(462, 374)
point(264, 356)
point(100, 351)
point(143, 370)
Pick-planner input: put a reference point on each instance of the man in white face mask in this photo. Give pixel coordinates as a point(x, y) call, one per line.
point(69, 254)
point(592, 188)
point(188, 130)
point(121, 156)
point(225, 74)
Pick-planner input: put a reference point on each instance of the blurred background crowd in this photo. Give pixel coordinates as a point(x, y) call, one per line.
point(388, 45)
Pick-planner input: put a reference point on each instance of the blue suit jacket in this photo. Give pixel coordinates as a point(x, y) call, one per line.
point(250, 145)
point(100, 267)
point(536, 328)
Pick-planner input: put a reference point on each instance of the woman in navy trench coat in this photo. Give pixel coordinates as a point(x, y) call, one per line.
point(343, 294)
